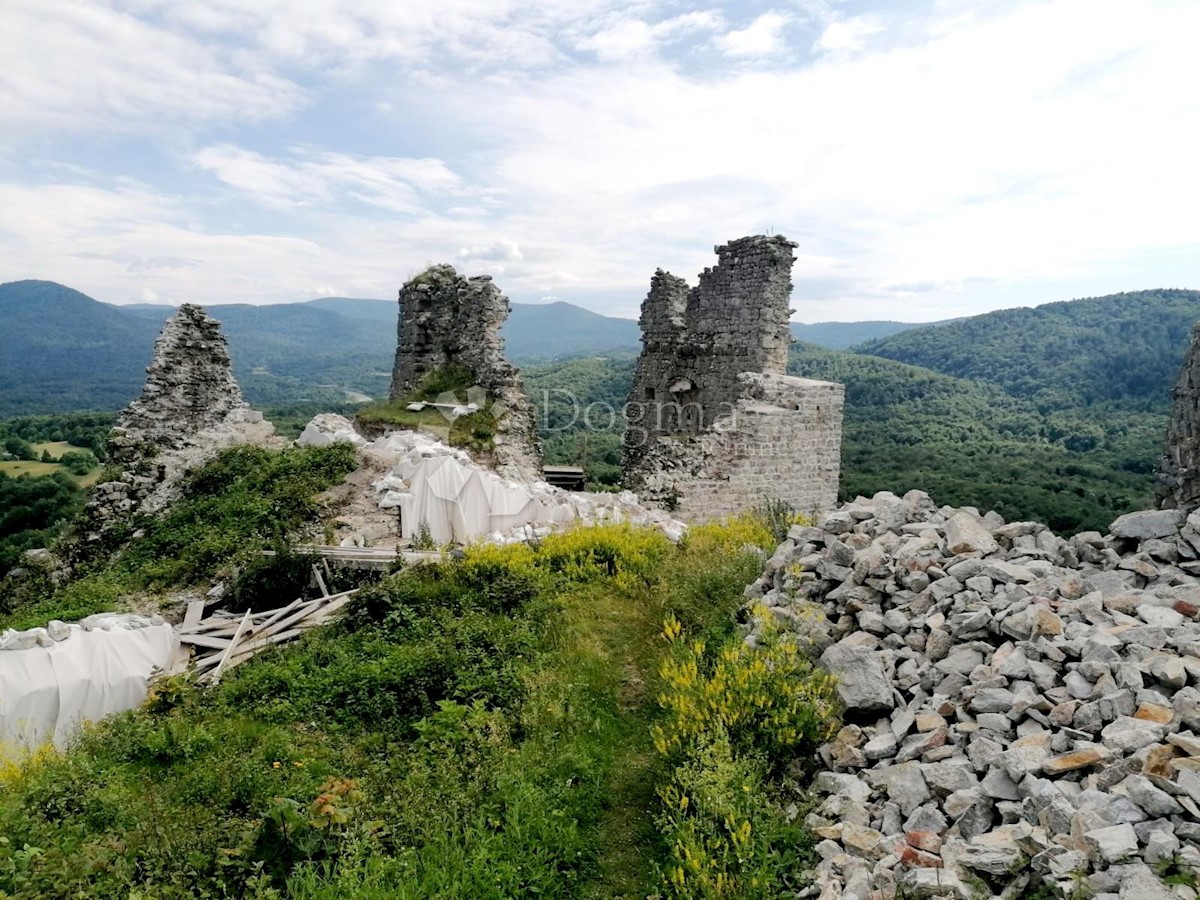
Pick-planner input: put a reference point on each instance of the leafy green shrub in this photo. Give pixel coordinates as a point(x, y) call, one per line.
point(266, 582)
point(725, 838)
point(770, 700)
point(246, 500)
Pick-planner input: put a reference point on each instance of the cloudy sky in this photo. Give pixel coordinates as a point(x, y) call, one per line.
point(931, 158)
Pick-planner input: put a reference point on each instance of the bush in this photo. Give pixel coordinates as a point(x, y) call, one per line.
point(725, 838)
point(266, 582)
point(771, 700)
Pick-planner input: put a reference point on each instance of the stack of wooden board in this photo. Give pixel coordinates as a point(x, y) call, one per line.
point(223, 641)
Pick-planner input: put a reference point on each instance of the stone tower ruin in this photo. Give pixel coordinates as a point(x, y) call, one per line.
point(190, 409)
point(1178, 482)
point(189, 387)
point(449, 320)
point(714, 423)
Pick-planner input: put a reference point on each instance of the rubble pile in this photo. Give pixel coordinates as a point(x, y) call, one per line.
point(1021, 710)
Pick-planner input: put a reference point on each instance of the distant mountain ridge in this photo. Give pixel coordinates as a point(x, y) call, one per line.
point(61, 350)
point(1119, 348)
point(844, 335)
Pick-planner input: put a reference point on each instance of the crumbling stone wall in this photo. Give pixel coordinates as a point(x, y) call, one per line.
point(1178, 484)
point(190, 408)
point(189, 387)
point(714, 424)
point(446, 320)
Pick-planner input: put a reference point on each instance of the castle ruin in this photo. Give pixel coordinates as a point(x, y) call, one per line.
point(1178, 482)
point(190, 408)
point(451, 321)
point(715, 425)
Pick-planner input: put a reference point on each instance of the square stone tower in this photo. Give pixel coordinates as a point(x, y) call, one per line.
point(715, 425)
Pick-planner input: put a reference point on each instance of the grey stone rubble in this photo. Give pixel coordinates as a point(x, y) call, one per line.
point(1019, 707)
point(190, 408)
point(714, 423)
point(1178, 484)
point(446, 320)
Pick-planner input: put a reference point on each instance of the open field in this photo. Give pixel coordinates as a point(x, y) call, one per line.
point(57, 448)
point(18, 467)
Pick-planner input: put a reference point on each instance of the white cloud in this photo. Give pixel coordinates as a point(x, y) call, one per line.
point(83, 67)
point(500, 250)
point(311, 177)
point(847, 35)
point(925, 168)
point(762, 37)
point(628, 39)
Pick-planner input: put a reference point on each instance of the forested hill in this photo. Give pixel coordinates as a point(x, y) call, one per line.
point(841, 335)
point(1124, 348)
point(971, 444)
point(61, 350)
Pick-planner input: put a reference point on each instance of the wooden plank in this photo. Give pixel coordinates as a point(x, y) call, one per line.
point(205, 640)
point(326, 612)
point(211, 627)
point(276, 615)
point(250, 648)
point(216, 675)
point(285, 624)
point(320, 581)
point(287, 621)
point(195, 612)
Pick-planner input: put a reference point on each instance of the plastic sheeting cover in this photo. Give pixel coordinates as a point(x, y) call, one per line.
point(47, 692)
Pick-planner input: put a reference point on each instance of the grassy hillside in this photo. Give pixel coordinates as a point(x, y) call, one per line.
point(1124, 348)
point(580, 719)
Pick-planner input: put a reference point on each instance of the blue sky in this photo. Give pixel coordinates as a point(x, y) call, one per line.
point(932, 158)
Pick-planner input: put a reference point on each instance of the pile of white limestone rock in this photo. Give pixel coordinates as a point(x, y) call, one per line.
point(1022, 710)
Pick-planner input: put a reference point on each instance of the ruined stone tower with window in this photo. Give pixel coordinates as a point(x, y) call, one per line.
point(714, 423)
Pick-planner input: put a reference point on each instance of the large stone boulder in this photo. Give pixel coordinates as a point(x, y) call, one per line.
point(862, 683)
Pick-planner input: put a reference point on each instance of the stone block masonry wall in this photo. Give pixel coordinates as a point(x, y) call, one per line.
point(189, 387)
point(696, 341)
point(714, 426)
point(447, 319)
point(781, 441)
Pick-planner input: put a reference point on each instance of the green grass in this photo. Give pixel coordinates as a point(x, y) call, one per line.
point(18, 467)
point(246, 500)
point(480, 728)
point(473, 431)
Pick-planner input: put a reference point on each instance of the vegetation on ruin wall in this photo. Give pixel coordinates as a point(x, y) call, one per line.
point(246, 500)
point(474, 431)
point(512, 724)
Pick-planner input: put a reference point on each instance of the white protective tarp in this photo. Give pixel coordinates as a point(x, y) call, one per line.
point(47, 691)
point(460, 501)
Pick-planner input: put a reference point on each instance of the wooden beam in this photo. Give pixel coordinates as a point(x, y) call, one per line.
point(205, 640)
point(320, 580)
point(216, 675)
